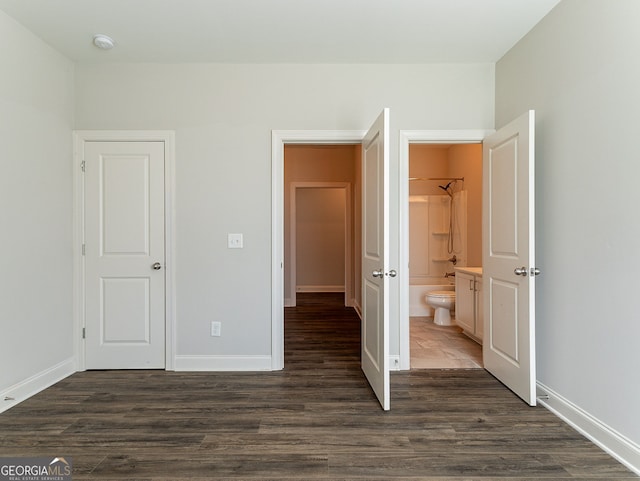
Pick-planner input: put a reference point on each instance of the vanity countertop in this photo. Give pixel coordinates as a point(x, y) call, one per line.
point(474, 271)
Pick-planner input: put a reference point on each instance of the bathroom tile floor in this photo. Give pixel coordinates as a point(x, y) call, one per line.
point(442, 347)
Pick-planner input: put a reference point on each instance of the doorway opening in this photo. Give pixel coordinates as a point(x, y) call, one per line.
point(428, 157)
point(445, 233)
point(321, 220)
point(304, 147)
point(320, 231)
point(319, 250)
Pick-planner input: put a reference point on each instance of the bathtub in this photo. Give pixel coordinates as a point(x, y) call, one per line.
point(418, 288)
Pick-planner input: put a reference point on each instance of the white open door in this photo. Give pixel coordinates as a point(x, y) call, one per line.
point(124, 255)
point(375, 258)
point(509, 256)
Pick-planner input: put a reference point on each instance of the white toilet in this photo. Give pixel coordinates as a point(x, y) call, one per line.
point(443, 302)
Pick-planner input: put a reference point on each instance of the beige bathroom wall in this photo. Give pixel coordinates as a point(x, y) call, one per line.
point(452, 160)
point(427, 160)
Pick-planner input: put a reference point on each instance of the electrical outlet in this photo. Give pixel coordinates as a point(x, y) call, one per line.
point(235, 241)
point(216, 328)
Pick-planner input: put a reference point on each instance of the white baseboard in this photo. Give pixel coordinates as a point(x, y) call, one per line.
point(319, 288)
point(223, 363)
point(36, 383)
point(607, 438)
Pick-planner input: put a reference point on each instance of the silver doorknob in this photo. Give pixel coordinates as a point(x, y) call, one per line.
point(534, 271)
point(377, 274)
point(521, 271)
point(392, 273)
point(157, 266)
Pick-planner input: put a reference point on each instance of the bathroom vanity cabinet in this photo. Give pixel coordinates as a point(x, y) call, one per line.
point(469, 301)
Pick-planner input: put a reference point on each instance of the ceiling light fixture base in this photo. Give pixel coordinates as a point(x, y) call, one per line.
point(103, 42)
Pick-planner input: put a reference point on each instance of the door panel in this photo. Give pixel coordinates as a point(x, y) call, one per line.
point(125, 200)
point(124, 316)
point(375, 259)
point(124, 238)
point(508, 248)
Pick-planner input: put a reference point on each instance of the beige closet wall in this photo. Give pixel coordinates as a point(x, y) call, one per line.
point(320, 239)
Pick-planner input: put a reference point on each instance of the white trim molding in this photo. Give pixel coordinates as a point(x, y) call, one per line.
point(223, 363)
point(607, 438)
point(36, 383)
point(407, 137)
point(79, 139)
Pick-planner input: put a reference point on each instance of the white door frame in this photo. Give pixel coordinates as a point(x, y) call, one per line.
point(79, 138)
point(292, 264)
point(278, 140)
point(418, 137)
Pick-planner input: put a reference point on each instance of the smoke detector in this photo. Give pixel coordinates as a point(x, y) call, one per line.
point(103, 42)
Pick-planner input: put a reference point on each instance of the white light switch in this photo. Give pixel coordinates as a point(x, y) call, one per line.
point(235, 241)
point(216, 329)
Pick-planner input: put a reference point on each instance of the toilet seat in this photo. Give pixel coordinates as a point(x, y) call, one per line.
point(442, 294)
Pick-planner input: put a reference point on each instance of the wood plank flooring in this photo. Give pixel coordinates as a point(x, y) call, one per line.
point(316, 420)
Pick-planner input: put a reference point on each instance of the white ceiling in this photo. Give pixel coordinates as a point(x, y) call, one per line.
point(282, 31)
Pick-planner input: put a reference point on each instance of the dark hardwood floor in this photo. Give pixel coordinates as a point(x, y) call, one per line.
point(317, 419)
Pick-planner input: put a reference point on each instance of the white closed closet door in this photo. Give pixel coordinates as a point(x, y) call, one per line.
point(124, 255)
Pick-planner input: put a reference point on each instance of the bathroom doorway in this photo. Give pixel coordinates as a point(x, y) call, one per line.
point(440, 172)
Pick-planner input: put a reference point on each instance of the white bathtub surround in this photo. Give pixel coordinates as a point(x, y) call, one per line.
point(428, 242)
point(429, 234)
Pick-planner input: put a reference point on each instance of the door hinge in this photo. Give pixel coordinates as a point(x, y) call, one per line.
point(83, 249)
point(84, 333)
point(82, 165)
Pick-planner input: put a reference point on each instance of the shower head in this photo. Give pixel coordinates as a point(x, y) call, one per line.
point(446, 188)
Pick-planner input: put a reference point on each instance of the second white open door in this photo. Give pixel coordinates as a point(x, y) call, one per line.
point(375, 258)
point(509, 256)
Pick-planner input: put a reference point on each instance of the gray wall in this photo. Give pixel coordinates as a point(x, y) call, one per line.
point(223, 116)
point(580, 70)
point(36, 117)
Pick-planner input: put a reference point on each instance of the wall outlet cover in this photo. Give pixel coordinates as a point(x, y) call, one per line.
point(235, 241)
